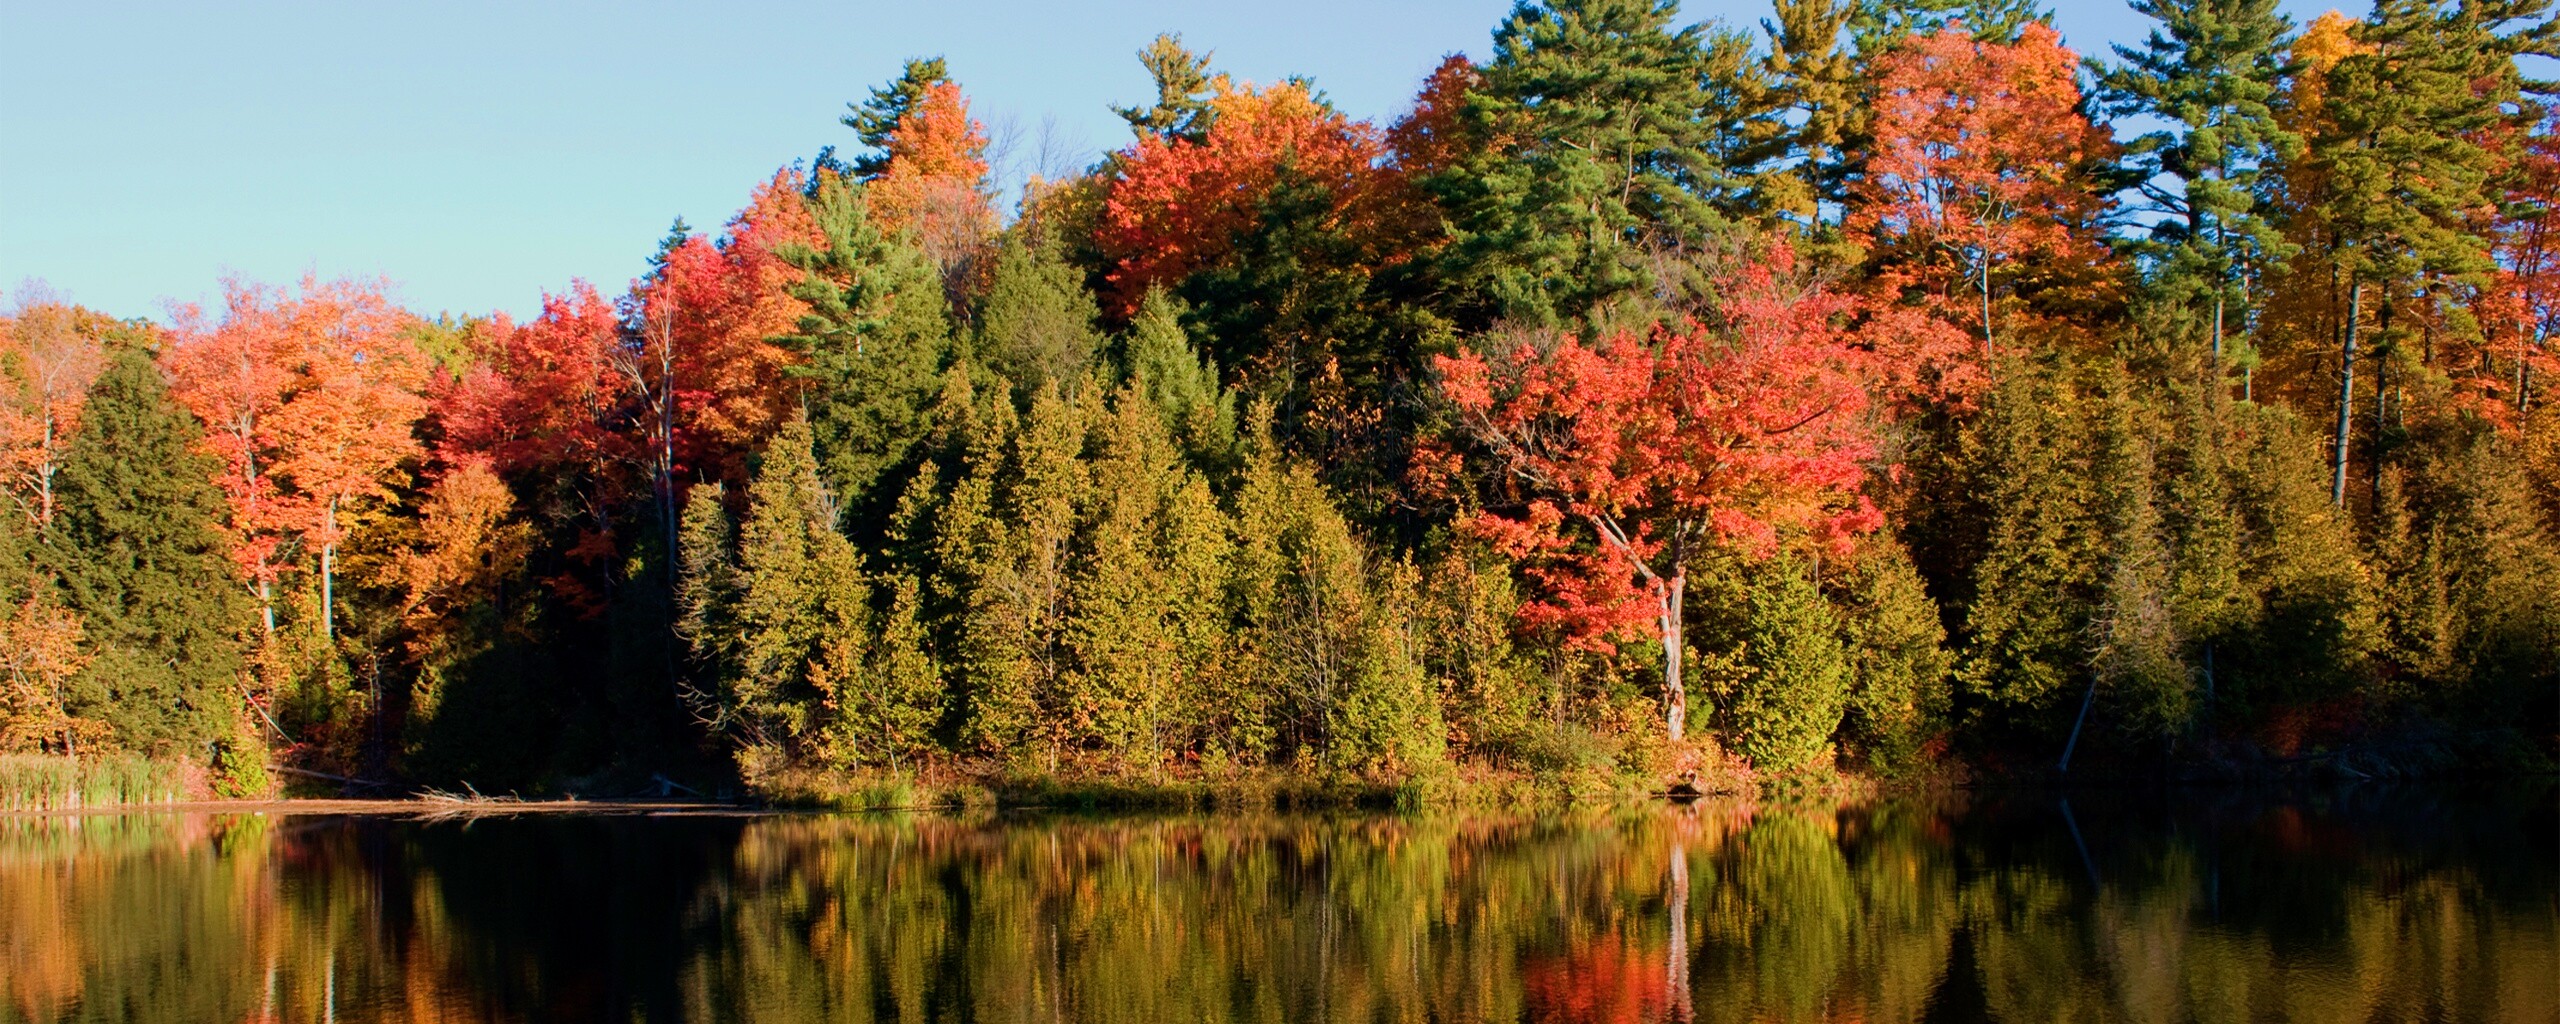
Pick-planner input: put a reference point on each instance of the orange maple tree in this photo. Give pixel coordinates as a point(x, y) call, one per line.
point(1632, 454)
point(51, 352)
point(310, 400)
point(935, 182)
point(1178, 206)
point(1980, 170)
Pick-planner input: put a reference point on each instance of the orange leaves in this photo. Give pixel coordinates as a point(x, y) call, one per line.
point(1736, 430)
point(50, 353)
point(1431, 137)
point(935, 183)
point(1981, 161)
point(309, 400)
point(1178, 205)
point(466, 545)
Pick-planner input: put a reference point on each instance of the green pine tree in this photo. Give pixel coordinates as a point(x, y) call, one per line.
point(1163, 365)
point(1898, 692)
point(137, 549)
point(1183, 85)
point(2211, 71)
point(1880, 25)
point(1605, 116)
point(1786, 705)
point(1128, 671)
point(875, 342)
point(800, 614)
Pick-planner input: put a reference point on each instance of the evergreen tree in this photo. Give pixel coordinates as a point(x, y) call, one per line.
point(2404, 160)
point(874, 343)
point(1468, 607)
point(2138, 657)
point(1196, 545)
point(1898, 696)
point(1128, 671)
point(1183, 383)
point(890, 712)
point(137, 549)
point(1035, 322)
point(2210, 70)
point(2314, 631)
point(1603, 116)
point(1881, 25)
point(707, 600)
point(1016, 648)
point(1183, 85)
point(1815, 81)
point(2034, 588)
point(801, 614)
point(1797, 678)
point(875, 119)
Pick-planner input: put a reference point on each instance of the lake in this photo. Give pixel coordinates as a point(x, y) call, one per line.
point(2367, 904)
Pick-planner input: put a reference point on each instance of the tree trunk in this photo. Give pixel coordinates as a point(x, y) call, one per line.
point(2217, 336)
point(1986, 304)
point(2346, 396)
point(1675, 694)
point(328, 591)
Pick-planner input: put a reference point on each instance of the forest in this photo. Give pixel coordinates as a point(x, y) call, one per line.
point(1881, 390)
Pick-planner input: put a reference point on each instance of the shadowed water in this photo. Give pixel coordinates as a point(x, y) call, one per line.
point(2361, 905)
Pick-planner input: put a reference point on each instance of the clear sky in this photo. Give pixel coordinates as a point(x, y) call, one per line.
point(477, 153)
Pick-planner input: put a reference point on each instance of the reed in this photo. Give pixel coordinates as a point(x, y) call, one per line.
point(47, 782)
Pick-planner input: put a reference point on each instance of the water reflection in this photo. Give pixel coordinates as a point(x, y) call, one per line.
point(2369, 905)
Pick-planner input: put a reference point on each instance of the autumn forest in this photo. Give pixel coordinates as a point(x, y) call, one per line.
point(1879, 389)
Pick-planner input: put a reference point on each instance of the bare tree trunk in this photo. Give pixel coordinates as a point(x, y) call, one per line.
point(2346, 396)
point(1986, 303)
point(1675, 694)
point(328, 591)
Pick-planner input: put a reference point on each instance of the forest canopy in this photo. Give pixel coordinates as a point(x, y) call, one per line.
point(1882, 386)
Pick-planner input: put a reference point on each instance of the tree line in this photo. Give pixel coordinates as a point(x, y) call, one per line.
point(1884, 386)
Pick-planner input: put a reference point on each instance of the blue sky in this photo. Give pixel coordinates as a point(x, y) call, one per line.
point(478, 153)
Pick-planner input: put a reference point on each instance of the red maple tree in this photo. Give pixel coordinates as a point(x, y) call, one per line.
point(1634, 453)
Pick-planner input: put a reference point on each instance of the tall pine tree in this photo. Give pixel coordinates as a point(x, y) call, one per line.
point(137, 547)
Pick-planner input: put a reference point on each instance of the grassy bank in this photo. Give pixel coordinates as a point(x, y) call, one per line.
point(45, 782)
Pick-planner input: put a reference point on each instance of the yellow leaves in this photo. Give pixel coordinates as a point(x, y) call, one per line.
point(2330, 38)
point(40, 649)
point(466, 546)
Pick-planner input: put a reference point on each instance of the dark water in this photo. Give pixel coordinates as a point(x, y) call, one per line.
point(2365, 905)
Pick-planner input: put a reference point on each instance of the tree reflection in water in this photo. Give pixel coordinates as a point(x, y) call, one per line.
point(2413, 905)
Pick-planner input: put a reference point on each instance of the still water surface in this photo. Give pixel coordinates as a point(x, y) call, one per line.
point(2364, 905)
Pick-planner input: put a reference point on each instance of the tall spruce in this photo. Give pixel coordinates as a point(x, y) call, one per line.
point(135, 546)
